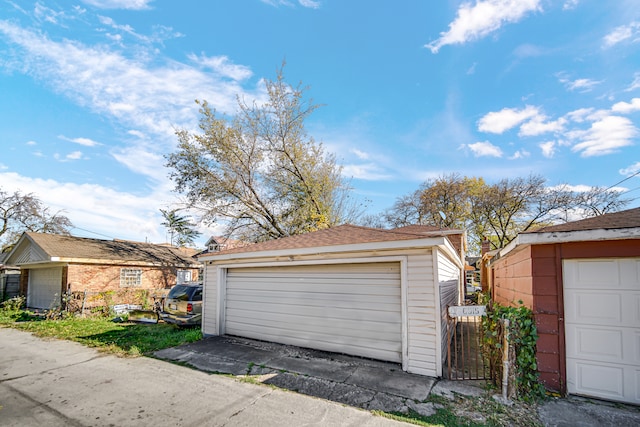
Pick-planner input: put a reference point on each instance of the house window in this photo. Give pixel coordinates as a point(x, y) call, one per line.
point(184, 276)
point(130, 277)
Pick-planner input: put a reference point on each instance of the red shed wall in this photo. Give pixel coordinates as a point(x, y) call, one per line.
point(512, 279)
point(545, 278)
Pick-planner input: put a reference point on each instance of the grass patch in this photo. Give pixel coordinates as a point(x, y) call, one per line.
point(443, 417)
point(467, 411)
point(124, 339)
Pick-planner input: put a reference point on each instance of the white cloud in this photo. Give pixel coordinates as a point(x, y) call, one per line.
point(579, 85)
point(548, 148)
point(223, 66)
point(475, 21)
point(570, 4)
point(153, 100)
point(81, 141)
point(360, 154)
point(3, 167)
point(635, 84)
point(628, 171)
point(485, 149)
point(31, 143)
point(605, 136)
point(144, 161)
point(367, 172)
point(582, 85)
point(622, 33)
point(520, 154)
point(580, 115)
point(312, 4)
point(75, 155)
point(120, 4)
point(505, 119)
point(538, 125)
point(627, 107)
point(97, 208)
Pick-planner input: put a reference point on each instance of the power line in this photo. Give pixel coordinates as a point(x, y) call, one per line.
point(620, 182)
point(93, 232)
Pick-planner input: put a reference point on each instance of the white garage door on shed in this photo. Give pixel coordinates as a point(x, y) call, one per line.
point(602, 328)
point(347, 308)
point(45, 286)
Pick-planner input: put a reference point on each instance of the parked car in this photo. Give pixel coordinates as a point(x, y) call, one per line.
point(183, 305)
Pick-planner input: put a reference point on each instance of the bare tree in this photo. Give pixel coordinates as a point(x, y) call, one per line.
point(600, 200)
point(25, 212)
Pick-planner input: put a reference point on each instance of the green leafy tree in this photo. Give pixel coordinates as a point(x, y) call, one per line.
point(180, 228)
point(21, 212)
point(259, 171)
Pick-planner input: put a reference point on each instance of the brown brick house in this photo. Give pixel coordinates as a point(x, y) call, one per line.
point(582, 281)
point(53, 264)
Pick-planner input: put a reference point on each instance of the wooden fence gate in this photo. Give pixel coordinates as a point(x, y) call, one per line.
point(465, 360)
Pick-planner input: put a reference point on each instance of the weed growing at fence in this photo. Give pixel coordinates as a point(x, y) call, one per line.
point(523, 336)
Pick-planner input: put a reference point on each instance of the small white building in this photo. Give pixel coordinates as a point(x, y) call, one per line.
point(362, 291)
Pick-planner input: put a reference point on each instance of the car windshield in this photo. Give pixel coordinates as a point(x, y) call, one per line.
point(183, 292)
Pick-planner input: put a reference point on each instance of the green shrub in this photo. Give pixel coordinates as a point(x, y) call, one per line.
point(14, 304)
point(523, 336)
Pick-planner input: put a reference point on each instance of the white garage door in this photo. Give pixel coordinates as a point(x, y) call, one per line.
point(44, 289)
point(602, 326)
point(346, 308)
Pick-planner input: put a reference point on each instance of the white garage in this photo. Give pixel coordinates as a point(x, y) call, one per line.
point(602, 327)
point(45, 287)
point(348, 289)
point(333, 306)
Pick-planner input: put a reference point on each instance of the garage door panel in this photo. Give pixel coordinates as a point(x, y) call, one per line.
point(604, 380)
point(593, 307)
point(602, 328)
point(312, 299)
point(318, 300)
point(379, 332)
point(319, 313)
point(349, 308)
point(318, 286)
point(596, 344)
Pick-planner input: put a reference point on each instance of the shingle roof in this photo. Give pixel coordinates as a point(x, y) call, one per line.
point(340, 235)
point(624, 219)
point(114, 250)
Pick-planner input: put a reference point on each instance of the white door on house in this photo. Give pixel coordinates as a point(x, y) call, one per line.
point(602, 328)
point(345, 308)
point(45, 287)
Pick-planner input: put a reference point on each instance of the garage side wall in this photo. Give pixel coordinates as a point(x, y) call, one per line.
point(513, 279)
point(448, 285)
point(210, 301)
point(421, 315)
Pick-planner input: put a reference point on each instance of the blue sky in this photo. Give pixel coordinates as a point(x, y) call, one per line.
point(91, 92)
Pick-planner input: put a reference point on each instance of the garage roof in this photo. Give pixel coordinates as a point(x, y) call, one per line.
point(611, 226)
point(623, 219)
point(349, 235)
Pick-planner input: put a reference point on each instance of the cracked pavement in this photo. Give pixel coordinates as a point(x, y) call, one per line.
point(61, 383)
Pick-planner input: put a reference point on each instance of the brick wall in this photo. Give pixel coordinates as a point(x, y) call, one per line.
point(547, 279)
point(98, 279)
point(512, 279)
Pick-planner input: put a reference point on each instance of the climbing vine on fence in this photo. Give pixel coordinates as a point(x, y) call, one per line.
point(523, 336)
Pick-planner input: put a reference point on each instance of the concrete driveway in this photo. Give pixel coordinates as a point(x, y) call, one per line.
point(61, 383)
